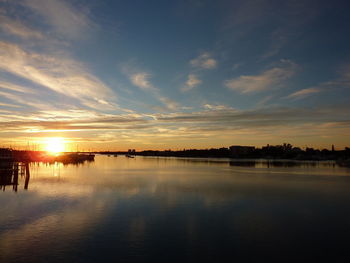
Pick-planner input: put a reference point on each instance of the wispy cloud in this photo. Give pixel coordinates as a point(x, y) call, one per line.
point(204, 61)
point(169, 103)
point(17, 28)
point(141, 80)
point(58, 73)
point(342, 81)
point(35, 101)
point(63, 17)
point(219, 117)
point(215, 120)
point(13, 87)
point(217, 107)
point(304, 93)
point(9, 105)
point(192, 82)
point(264, 81)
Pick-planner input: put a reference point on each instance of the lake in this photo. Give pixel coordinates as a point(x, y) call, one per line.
point(149, 209)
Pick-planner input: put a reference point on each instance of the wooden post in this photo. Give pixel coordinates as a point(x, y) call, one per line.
point(26, 183)
point(15, 176)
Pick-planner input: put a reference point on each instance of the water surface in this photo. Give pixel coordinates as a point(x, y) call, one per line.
point(177, 210)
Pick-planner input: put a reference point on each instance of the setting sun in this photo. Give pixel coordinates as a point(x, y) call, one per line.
point(55, 145)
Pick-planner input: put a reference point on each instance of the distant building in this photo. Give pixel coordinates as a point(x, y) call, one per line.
point(239, 151)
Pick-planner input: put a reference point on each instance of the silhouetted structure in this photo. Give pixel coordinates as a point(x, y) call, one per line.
point(241, 151)
point(9, 173)
point(39, 156)
point(131, 151)
point(284, 151)
point(6, 154)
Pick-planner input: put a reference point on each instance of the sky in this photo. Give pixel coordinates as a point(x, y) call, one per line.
point(114, 75)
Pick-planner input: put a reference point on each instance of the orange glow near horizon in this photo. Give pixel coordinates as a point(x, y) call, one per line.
point(55, 145)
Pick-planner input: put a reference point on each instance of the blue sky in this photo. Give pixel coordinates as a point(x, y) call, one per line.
point(174, 74)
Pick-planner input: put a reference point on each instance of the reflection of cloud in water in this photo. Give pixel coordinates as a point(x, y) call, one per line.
point(171, 181)
point(66, 190)
point(131, 203)
point(67, 224)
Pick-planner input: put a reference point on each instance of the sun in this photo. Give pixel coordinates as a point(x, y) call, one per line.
point(54, 145)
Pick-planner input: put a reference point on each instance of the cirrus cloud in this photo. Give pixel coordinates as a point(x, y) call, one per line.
point(64, 18)
point(304, 93)
point(266, 80)
point(141, 80)
point(191, 82)
point(17, 28)
point(58, 73)
point(204, 61)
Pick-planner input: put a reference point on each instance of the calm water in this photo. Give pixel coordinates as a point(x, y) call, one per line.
point(177, 210)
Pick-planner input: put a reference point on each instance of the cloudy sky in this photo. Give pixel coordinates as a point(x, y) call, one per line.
point(179, 74)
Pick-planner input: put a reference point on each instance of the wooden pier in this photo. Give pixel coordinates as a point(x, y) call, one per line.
point(10, 171)
point(15, 164)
